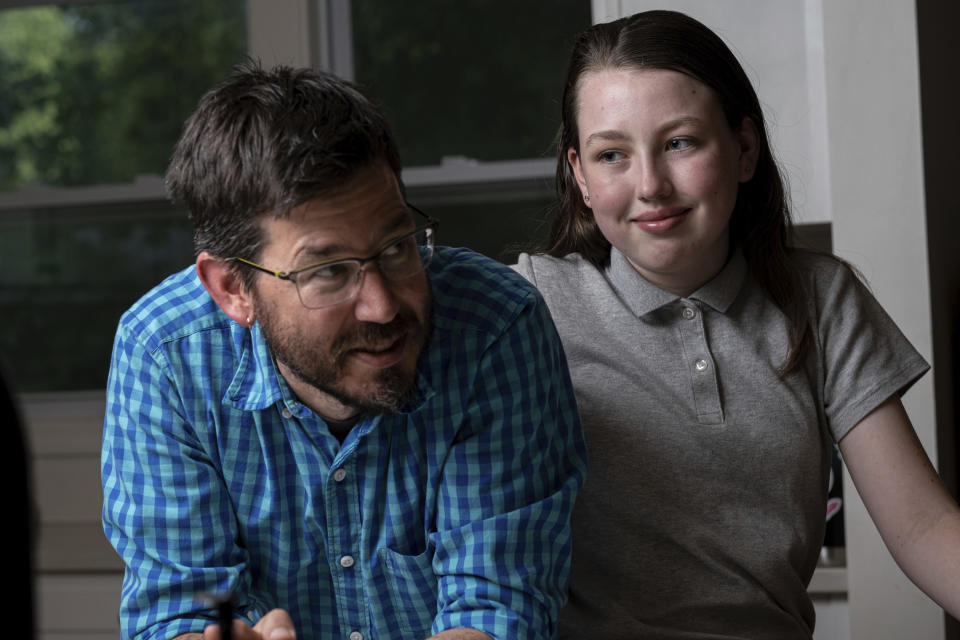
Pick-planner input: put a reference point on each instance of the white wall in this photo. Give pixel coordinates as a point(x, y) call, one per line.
point(876, 161)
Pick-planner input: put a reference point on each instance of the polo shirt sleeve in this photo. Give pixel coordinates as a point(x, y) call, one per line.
point(865, 357)
point(508, 486)
point(163, 497)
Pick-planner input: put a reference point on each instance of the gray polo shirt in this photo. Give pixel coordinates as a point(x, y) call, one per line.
point(704, 507)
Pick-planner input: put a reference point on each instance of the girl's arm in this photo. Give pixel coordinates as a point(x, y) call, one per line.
point(917, 518)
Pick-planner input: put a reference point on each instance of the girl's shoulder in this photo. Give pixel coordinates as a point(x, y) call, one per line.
point(824, 271)
point(555, 276)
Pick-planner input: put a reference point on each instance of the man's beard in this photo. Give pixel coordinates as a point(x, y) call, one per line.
point(322, 366)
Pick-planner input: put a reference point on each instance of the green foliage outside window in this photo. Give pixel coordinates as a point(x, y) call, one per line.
point(97, 93)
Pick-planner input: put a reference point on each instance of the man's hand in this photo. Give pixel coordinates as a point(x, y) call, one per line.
point(276, 625)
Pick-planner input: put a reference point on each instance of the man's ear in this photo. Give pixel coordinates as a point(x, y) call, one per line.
point(226, 288)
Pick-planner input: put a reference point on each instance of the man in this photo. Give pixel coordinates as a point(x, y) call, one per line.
point(349, 432)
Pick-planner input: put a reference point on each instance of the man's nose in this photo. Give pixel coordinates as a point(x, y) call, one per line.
point(375, 301)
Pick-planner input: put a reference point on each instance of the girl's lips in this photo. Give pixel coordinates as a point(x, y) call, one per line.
point(383, 358)
point(661, 220)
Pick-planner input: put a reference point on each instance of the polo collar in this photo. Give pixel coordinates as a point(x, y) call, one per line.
point(642, 297)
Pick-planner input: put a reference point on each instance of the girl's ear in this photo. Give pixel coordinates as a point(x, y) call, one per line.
point(749, 139)
point(574, 159)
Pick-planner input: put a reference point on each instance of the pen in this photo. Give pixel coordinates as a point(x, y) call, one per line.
point(225, 617)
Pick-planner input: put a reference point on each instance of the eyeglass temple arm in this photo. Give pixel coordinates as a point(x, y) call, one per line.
point(283, 275)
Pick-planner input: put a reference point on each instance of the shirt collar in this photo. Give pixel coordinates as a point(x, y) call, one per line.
point(723, 289)
point(642, 297)
point(256, 382)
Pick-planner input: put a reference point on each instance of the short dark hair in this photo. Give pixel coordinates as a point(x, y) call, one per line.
point(265, 141)
point(760, 224)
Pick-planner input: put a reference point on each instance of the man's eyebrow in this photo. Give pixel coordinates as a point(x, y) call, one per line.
point(399, 221)
point(325, 252)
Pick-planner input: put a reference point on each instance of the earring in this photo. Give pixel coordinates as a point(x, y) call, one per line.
point(586, 198)
point(249, 321)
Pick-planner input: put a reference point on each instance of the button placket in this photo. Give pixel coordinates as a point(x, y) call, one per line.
point(703, 378)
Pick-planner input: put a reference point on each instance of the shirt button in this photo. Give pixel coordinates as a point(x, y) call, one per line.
point(355, 635)
point(286, 413)
point(346, 562)
point(339, 475)
point(700, 365)
point(689, 313)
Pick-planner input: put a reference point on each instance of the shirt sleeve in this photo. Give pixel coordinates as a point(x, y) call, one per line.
point(866, 359)
point(508, 487)
point(165, 507)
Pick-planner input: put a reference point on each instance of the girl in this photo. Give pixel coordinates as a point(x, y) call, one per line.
point(714, 364)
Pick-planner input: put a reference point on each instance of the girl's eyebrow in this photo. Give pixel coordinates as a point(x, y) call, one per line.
point(609, 135)
point(615, 135)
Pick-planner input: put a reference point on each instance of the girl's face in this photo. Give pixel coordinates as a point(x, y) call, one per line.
point(661, 167)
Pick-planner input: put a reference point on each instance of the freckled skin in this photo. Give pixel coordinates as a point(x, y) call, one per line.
point(657, 143)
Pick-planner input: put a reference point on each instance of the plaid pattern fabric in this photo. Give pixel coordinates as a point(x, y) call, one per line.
point(451, 513)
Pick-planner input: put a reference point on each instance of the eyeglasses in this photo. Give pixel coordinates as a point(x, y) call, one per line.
point(332, 282)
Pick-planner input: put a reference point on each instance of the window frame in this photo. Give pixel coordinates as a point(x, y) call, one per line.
point(301, 33)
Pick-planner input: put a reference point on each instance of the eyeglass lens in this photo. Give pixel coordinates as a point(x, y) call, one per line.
point(330, 284)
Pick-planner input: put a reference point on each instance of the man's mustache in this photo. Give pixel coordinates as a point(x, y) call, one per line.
point(370, 335)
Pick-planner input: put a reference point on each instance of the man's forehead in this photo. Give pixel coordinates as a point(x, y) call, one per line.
point(321, 229)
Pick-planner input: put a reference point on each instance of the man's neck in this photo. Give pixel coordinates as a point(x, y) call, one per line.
point(322, 403)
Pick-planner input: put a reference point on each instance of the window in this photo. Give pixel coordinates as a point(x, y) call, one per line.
point(93, 95)
point(472, 92)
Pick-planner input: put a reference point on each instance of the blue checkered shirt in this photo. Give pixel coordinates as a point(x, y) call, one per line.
point(451, 513)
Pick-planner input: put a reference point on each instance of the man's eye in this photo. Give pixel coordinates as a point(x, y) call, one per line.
point(326, 272)
point(393, 250)
point(399, 250)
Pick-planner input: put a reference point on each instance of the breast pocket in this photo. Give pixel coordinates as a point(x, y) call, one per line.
point(412, 586)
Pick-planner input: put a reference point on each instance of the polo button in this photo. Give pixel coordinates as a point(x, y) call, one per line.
point(355, 635)
point(339, 475)
point(286, 413)
point(689, 313)
point(346, 562)
point(700, 365)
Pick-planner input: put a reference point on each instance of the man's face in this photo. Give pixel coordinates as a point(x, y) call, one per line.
point(360, 354)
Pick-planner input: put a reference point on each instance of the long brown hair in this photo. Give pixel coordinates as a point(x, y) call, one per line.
point(760, 225)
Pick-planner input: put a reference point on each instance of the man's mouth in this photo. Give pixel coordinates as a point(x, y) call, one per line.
point(381, 354)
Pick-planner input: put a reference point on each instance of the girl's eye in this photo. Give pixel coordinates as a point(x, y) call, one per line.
point(679, 144)
point(610, 156)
